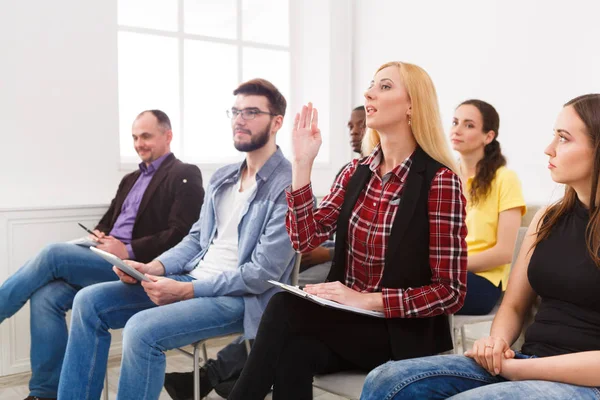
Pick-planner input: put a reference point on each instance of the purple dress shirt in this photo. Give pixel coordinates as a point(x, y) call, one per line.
point(123, 227)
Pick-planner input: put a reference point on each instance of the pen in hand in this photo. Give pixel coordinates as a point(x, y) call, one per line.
point(87, 230)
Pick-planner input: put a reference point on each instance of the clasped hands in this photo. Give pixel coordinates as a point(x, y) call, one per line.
point(495, 355)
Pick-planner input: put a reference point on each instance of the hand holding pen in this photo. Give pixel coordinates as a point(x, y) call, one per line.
point(94, 235)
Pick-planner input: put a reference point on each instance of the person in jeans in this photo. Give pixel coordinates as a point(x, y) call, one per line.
point(154, 208)
point(222, 373)
point(560, 262)
point(212, 283)
point(399, 216)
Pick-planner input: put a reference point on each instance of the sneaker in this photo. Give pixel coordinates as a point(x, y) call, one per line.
point(180, 385)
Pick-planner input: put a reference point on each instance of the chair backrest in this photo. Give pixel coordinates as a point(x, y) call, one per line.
point(518, 243)
point(296, 270)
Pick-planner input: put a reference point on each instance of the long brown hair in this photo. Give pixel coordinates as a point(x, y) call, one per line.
point(486, 168)
point(587, 108)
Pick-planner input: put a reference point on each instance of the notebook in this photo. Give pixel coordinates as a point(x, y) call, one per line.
point(324, 302)
point(84, 241)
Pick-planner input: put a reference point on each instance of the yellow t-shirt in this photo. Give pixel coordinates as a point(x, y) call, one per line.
point(482, 219)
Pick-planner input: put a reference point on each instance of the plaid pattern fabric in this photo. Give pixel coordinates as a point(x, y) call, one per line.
point(369, 229)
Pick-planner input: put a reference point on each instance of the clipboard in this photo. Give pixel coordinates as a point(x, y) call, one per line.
point(324, 302)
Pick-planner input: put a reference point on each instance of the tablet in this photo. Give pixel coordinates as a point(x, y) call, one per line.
point(117, 262)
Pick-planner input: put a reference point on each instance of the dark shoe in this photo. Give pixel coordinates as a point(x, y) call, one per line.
point(39, 398)
point(180, 385)
point(224, 388)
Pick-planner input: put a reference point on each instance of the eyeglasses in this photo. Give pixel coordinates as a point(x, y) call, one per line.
point(247, 113)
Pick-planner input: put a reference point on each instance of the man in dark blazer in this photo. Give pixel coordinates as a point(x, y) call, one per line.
point(154, 208)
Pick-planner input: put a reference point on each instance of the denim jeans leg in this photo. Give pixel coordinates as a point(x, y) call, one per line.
point(150, 333)
point(74, 264)
point(436, 377)
point(96, 310)
point(149, 330)
point(49, 305)
point(530, 390)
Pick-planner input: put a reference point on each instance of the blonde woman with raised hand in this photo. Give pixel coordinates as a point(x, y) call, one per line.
point(400, 246)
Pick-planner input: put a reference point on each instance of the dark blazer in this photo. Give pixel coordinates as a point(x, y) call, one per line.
point(169, 207)
point(406, 258)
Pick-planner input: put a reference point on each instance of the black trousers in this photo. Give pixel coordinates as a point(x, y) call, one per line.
point(229, 363)
point(298, 339)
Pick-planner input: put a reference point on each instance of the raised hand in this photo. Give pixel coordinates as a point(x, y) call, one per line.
point(306, 135)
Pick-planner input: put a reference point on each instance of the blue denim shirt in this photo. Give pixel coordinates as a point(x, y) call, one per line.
point(264, 248)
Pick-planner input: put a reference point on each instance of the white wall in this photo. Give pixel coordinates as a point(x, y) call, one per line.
point(58, 103)
point(59, 97)
point(526, 58)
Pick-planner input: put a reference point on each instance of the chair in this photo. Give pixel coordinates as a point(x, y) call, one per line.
point(458, 322)
point(201, 344)
point(349, 383)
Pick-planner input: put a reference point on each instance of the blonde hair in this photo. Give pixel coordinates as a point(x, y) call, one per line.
point(426, 122)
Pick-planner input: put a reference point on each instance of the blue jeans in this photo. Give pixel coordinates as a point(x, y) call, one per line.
point(149, 331)
point(50, 280)
point(459, 378)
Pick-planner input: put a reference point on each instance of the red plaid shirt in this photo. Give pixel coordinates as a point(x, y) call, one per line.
point(370, 227)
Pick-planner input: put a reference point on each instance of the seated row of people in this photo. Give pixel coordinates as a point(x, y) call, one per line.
point(559, 262)
point(400, 222)
point(400, 217)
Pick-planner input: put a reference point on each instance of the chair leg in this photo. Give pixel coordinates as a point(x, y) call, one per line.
point(197, 371)
point(204, 354)
point(463, 335)
point(455, 340)
point(247, 341)
point(105, 396)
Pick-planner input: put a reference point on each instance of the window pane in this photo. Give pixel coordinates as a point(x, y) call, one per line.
point(210, 76)
point(215, 18)
point(148, 79)
point(152, 14)
point(274, 66)
point(266, 21)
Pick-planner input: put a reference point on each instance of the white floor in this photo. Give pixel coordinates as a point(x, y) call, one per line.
point(15, 387)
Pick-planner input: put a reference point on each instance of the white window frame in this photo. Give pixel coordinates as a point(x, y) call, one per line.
point(339, 75)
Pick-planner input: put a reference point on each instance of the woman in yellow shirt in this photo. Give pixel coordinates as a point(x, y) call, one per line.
point(495, 204)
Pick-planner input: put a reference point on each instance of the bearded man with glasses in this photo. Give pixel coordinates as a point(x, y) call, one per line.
point(213, 283)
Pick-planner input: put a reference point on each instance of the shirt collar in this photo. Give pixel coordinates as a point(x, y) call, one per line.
point(154, 165)
point(267, 169)
point(373, 160)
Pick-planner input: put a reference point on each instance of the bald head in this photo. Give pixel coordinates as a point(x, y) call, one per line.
point(152, 135)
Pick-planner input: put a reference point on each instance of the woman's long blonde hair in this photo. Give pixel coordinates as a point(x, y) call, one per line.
point(426, 122)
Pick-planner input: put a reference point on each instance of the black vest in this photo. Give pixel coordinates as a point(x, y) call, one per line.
point(406, 259)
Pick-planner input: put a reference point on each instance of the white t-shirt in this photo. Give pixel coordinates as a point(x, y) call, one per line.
point(222, 254)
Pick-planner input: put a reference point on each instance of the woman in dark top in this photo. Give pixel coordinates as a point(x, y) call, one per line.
point(560, 262)
point(400, 247)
